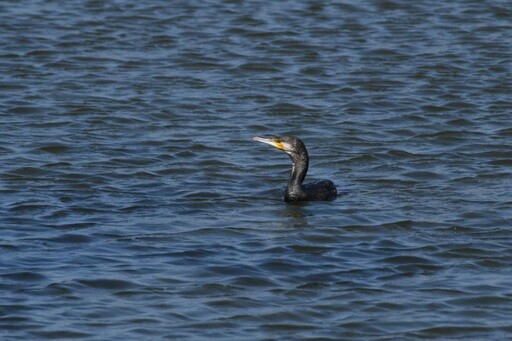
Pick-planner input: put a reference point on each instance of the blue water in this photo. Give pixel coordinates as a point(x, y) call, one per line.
point(134, 204)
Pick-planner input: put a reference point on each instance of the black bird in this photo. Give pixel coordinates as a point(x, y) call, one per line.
point(296, 191)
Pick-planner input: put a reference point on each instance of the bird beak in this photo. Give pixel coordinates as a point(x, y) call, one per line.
point(271, 141)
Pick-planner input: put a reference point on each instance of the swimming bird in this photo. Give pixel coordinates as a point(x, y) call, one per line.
point(296, 191)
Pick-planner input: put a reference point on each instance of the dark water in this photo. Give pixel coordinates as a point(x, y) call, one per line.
point(133, 203)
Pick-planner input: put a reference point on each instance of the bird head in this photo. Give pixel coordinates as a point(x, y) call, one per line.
point(293, 146)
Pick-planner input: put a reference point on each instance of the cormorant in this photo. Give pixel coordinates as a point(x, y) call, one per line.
point(296, 191)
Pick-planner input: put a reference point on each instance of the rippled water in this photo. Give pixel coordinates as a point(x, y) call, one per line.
point(133, 203)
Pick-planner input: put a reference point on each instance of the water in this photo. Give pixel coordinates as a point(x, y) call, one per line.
point(133, 203)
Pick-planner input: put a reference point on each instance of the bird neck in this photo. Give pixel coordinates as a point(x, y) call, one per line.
point(299, 170)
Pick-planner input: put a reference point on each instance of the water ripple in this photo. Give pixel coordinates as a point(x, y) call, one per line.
point(135, 205)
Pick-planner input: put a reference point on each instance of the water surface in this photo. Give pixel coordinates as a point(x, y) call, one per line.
point(133, 203)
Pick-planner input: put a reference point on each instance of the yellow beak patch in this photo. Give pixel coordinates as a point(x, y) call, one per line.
point(278, 145)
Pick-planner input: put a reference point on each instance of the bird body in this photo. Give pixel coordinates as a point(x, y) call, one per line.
point(296, 191)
